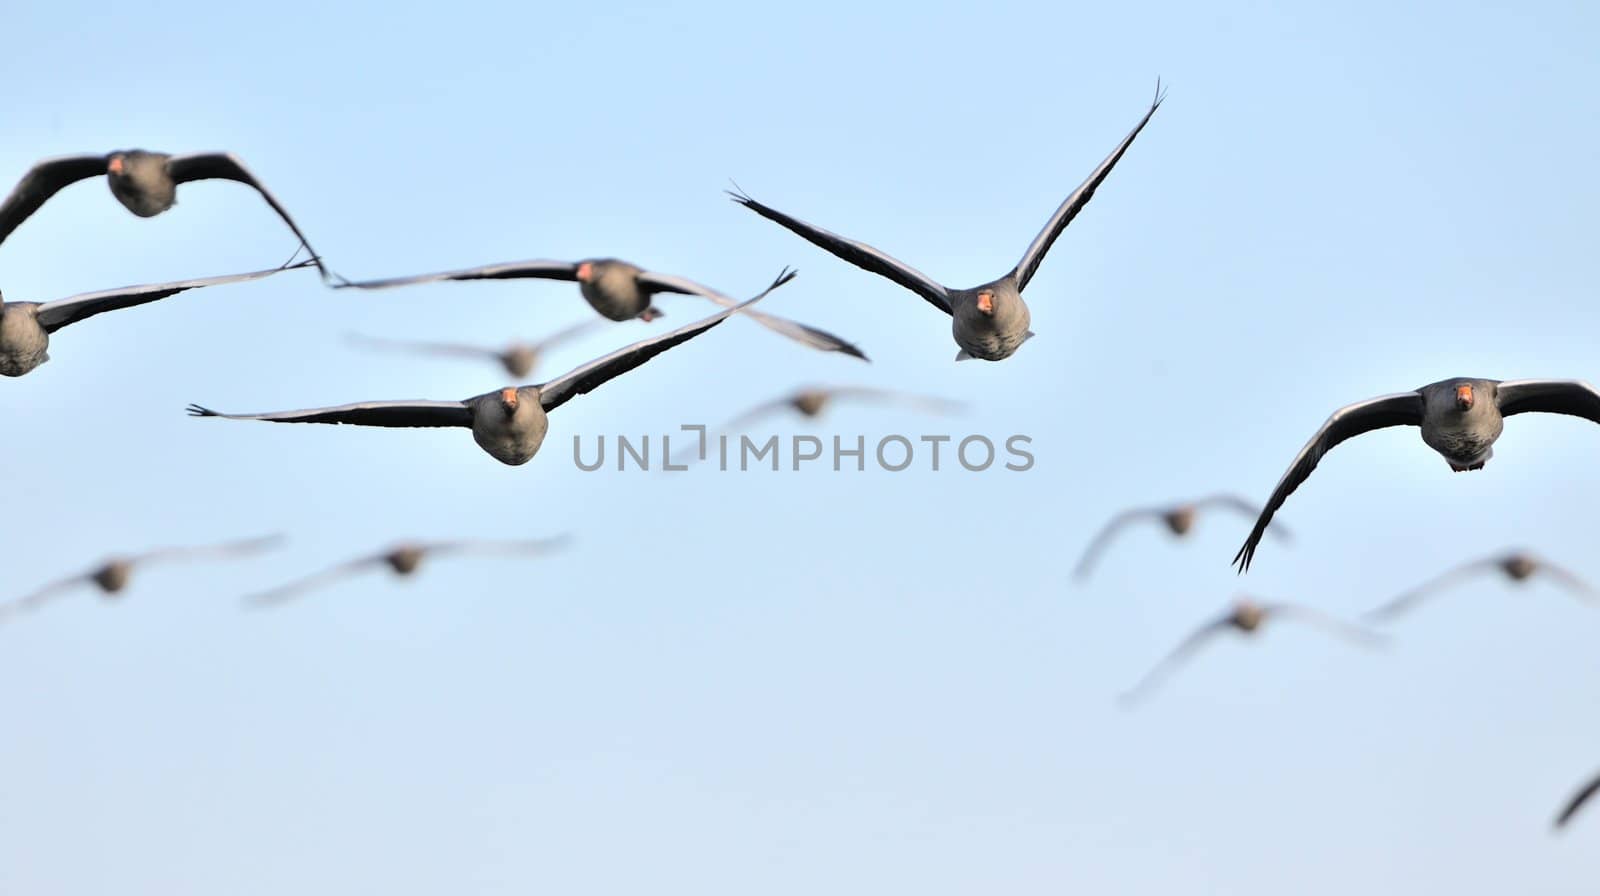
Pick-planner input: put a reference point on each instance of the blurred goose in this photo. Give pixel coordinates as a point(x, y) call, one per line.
point(25, 327)
point(1460, 418)
point(112, 575)
point(1246, 617)
point(1577, 801)
point(813, 400)
point(1518, 566)
point(403, 559)
point(510, 423)
point(989, 321)
point(145, 182)
point(518, 358)
point(1178, 518)
point(621, 291)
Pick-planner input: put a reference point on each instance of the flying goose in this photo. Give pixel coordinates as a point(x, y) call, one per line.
point(145, 182)
point(403, 559)
point(1246, 617)
point(1518, 566)
point(1460, 418)
point(25, 327)
point(620, 291)
point(989, 321)
point(1178, 518)
point(518, 358)
point(509, 423)
point(112, 575)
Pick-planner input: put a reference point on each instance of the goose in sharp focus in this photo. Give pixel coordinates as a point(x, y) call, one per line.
point(811, 401)
point(510, 423)
point(1576, 801)
point(1518, 566)
point(518, 358)
point(989, 321)
point(25, 327)
point(145, 182)
point(1246, 617)
point(621, 291)
point(1178, 518)
point(1460, 418)
point(403, 559)
point(113, 574)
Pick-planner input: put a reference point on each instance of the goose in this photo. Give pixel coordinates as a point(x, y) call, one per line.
point(1247, 616)
point(1178, 518)
point(517, 358)
point(1518, 566)
point(403, 559)
point(114, 573)
point(1460, 419)
point(145, 182)
point(990, 320)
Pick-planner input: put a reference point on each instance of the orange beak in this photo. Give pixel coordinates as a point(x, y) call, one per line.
point(508, 396)
point(115, 165)
point(1464, 396)
point(986, 302)
point(585, 271)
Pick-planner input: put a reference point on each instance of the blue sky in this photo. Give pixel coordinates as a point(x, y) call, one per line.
point(794, 682)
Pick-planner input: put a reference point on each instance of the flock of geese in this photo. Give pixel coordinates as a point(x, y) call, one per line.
point(1460, 418)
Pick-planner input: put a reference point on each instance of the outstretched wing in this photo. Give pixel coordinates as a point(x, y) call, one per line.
point(1177, 657)
point(1354, 634)
point(1580, 588)
point(1080, 197)
point(368, 413)
point(227, 166)
point(590, 376)
point(42, 181)
point(285, 593)
point(567, 334)
point(447, 349)
point(63, 312)
point(536, 269)
point(925, 403)
point(1410, 599)
point(41, 596)
point(1103, 539)
point(859, 254)
point(1401, 409)
point(821, 340)
point(1575, 398)
point(500, 546)
point(242, 547)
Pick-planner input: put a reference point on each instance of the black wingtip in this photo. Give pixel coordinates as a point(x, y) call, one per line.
point(1243, 558)
point(737, 194)
point(1161, 95)
point(196, 410)
point(784, 276)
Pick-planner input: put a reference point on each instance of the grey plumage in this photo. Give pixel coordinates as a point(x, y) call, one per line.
point(1460, 418)
point(25, 327)
point(989, 321)
point(146, 183)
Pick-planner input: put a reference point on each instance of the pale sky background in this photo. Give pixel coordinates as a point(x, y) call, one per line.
point(792, 683)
